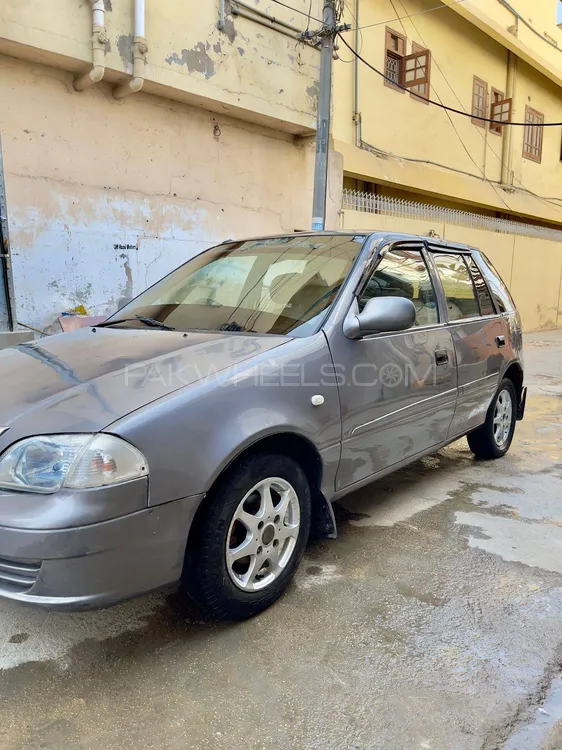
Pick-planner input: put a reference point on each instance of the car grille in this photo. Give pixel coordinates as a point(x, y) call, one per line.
point(21, 574)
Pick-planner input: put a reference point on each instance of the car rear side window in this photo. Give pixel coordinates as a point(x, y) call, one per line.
point(402, 272)
point(484, 297)
point(500, 293)
point(457, 285)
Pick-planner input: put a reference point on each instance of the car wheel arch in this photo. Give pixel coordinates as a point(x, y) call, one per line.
point(514, 372)
point(305, 453)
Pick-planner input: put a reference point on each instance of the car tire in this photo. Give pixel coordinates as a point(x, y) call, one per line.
point(237, 512)
point(494, 438)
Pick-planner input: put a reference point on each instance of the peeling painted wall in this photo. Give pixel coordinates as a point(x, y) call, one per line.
point(105, 197)
point(248, 70)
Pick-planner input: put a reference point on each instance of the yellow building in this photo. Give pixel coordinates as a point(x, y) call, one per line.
point(399, 149)
point(135, 134)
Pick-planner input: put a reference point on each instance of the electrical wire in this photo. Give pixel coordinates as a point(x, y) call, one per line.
point(524, 21)
point(402, 18)
point(296, 10)
point(545, 201)
point(444, 106)
point(463, 144)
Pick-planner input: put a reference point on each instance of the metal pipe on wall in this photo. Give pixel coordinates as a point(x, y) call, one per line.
point(356, 114)
point(140, 48)
point(267, 23)
point(222, 16)
point(99, 40)
point(273, 21)
point(507, 143)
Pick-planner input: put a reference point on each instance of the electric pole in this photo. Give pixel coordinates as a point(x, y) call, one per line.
point(324, 112)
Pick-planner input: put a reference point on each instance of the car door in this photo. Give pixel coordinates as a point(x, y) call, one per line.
point(478, 333)
point(397, 390)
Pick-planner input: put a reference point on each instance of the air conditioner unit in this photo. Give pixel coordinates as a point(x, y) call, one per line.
point(559, 14)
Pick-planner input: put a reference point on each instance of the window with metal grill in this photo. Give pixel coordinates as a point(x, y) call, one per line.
point(479, 100)
point(394, 52)
point(532, 139)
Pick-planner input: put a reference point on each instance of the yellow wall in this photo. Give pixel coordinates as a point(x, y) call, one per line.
point(532, 268)
point(496, 20)
point(246, 71)
point(412, 145)
point(104, 199)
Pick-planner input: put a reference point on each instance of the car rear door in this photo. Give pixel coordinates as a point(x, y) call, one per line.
point(397, 390)
point(478, 333)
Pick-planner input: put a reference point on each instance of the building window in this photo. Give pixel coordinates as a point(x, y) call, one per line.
point(420, 92)
point(497, 97)
point(532, 140)
point(395, 51)
point(479, 100)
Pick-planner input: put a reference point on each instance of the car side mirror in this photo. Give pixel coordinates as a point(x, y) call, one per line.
point(381, 315)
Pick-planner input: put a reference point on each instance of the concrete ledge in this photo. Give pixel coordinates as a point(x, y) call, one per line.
point(14, 338)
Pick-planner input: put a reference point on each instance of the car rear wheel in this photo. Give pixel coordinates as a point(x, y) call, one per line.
point(250, 537)
point(493, 439)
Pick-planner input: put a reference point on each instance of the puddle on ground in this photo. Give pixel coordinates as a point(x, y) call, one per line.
point(545, 719)
point(536, 496)
point(533, 544)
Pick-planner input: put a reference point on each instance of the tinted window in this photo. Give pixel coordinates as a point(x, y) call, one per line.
point(282, 285)
point(500, 292)
point(457, 285)
point(403, 273)
point(484, 298)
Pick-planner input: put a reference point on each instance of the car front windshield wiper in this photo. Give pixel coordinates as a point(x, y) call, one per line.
point(147, 322)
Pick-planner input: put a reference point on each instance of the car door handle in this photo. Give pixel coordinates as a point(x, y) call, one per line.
point(500, 341)
point(441, 357)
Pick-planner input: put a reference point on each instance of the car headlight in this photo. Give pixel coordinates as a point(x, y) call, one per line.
point(48, 462)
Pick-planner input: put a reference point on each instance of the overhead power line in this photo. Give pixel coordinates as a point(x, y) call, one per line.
point(444, 106)
point(371, 25)
point(296, 10)
point(478, 129)
point(404, 18)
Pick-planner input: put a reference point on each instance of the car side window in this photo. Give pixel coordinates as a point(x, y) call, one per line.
point(500, 292)
point(484, 298)
point(457, 285)
point(402, 272)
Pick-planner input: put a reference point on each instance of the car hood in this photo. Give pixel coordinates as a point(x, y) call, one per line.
point(84, 381)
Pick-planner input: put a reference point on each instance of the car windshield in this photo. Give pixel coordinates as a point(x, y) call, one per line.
point(271, 286)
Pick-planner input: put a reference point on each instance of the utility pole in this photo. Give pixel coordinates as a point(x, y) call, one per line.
point(324, 111)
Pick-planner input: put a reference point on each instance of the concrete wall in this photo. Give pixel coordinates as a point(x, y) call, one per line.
point(444, 155)
point(245, 70)
point(105, 197)
point(532, 268)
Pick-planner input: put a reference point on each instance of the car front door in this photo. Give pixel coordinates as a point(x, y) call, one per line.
point(397, 390)
point(479, 336)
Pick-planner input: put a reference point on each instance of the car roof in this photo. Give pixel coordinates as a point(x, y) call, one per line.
point(435, 242)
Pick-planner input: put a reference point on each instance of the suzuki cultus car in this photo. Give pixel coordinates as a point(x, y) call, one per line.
point(201, 434)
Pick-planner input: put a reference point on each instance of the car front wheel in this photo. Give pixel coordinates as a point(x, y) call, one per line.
point(250, 536)
point(493, 439)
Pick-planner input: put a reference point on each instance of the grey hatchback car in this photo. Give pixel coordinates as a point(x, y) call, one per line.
point(200, 435)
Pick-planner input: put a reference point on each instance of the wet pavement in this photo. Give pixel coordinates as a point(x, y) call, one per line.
point(434, 621)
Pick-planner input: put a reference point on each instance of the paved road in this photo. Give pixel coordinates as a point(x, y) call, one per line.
point(434, 621)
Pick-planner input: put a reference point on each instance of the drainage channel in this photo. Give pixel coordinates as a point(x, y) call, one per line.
point(546, 717)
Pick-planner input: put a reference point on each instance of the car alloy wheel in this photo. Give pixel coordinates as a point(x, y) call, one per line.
point(263, 534)
point(503, 416)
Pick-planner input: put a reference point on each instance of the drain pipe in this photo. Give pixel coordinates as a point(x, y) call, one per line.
point(356, 113)
point(140, 48)
point(99, 39)
point(507, 148)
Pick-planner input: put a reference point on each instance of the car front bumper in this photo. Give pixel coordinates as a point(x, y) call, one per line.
point(99, 564)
